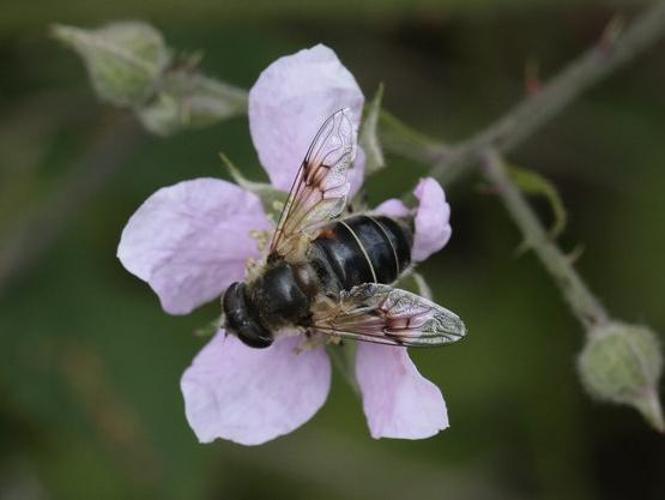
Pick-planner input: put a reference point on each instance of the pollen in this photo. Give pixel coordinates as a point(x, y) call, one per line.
point(277, 206)
point(253, 269)
point(312, 341)
point(262, 239)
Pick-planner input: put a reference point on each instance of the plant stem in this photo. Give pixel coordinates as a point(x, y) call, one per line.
point(583, 303)
point(527, 117)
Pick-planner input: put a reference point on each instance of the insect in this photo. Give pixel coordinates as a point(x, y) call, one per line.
point(332, 275)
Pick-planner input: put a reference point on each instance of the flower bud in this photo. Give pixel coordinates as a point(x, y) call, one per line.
point(124, 59)
point(622, 363)
point(188, 99)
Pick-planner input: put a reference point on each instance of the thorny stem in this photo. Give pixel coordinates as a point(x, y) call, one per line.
point(609, 54)
point(584, 304)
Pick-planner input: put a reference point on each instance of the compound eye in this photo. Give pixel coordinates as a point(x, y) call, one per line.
point(240, 320)
point(254, 338)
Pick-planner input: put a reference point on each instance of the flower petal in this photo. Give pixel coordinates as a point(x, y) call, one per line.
point(432, 223)
point(190, 241)
point(249, 395)
point(392, 208)
point(291, 100)
point(398, 401)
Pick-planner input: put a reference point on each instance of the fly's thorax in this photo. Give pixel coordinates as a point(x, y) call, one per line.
point(282, 296)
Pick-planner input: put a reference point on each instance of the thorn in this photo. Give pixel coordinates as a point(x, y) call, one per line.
point(521, 249)
point(186, 111)
point(532, 82)
point(187, 61)
point(486, 189)
point(194, 59)
point(611, 33)
point(577, 252)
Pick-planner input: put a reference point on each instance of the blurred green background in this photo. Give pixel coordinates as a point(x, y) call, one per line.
point(89, 400)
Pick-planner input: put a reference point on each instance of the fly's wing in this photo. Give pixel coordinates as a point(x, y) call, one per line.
point(381, 314)
point(319, 191)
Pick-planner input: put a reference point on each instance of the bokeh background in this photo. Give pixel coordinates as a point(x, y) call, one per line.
point(89, 364)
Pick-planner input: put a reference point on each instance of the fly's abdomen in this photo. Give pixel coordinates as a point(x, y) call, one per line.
point(361, 249)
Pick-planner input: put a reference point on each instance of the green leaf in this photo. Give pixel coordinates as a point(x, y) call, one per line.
point(124, 59)
point(272, 199)
point(535, 184)
point(369, 138)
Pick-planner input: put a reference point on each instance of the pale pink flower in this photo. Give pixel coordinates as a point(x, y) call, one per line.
point(191, 240)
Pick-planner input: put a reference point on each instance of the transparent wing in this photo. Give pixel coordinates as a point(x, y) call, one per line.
point(319, 190)
point(379, 313)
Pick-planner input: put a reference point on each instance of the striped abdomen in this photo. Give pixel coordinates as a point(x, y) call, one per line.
point(361, 249)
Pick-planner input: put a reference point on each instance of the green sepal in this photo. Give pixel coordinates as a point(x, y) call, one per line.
point(272, 199)
point(124, 60)
point(369, 135)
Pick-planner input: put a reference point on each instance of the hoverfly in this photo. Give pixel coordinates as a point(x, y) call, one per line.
point(332, 275)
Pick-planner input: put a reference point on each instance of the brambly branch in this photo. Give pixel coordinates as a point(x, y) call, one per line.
point(586, 308)
point(614, 49)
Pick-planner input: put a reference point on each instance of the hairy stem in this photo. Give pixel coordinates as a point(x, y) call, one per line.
point(527, 117)
point(583, 303)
